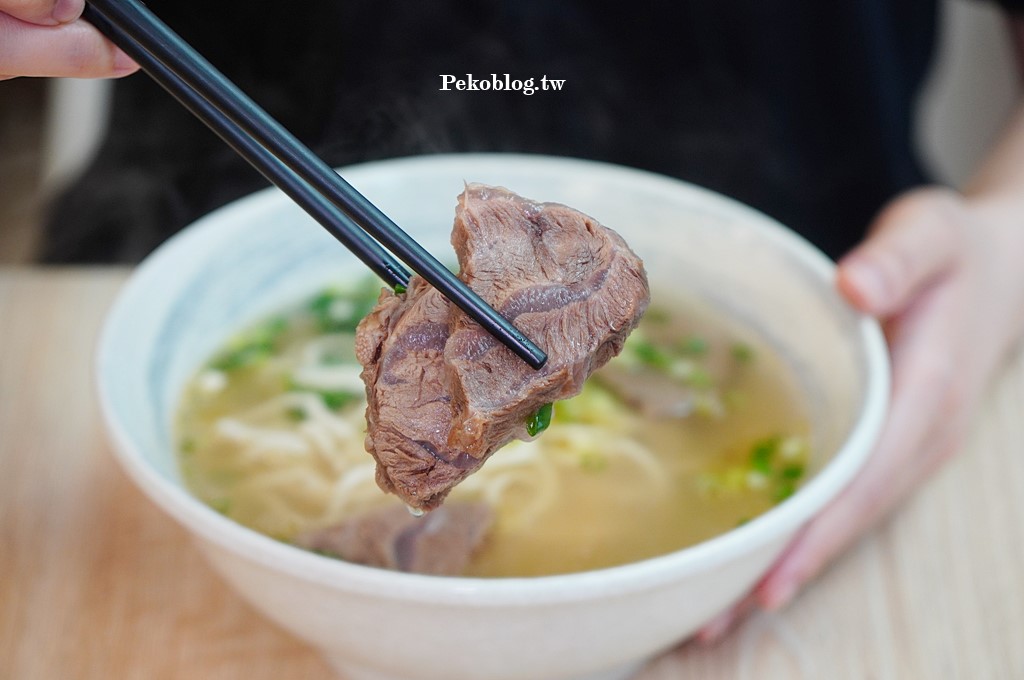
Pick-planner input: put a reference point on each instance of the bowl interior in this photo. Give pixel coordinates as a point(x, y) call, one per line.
point(251, 258)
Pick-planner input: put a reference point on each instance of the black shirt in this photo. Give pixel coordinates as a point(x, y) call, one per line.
point(802, 109)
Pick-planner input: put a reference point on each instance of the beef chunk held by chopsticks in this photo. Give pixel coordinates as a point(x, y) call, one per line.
point(443, 395)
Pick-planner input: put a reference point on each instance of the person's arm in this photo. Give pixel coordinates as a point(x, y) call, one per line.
point(47, 38)
point(942, 270)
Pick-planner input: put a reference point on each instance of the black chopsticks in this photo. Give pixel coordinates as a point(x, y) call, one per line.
point(289, 164)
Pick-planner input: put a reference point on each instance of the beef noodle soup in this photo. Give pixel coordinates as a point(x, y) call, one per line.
point(697, 427)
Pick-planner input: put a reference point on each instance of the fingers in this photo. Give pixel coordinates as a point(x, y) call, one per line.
point(915, 239)
point(75, 50)
point(43, 12)
point(921, 431)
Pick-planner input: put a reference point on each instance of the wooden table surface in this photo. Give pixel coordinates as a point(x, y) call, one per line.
point(95, 582)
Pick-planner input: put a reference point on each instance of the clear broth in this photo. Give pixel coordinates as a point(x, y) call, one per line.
point(604, 485)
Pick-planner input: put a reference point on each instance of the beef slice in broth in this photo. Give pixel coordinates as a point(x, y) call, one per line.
point(440, 544)
point(442, 393)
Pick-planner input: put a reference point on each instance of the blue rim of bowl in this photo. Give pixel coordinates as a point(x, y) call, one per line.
point(781, 520)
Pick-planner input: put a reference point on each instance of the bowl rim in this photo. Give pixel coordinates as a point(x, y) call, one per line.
point(641, 575)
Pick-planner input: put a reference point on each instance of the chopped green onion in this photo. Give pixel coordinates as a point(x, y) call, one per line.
point(539, 421)
point(792, 472)
point(784, 491)
point(252, 347)
point(399, 289)
point(336, 400)
point(325, 309)
point(337, 310)
point(296, 414)
point(762, 455)
point(245, 355)
point(275, 327)
point(694, 345)
point(322, 301)
point(742, 352)
point(650, 354)
point(333, 399)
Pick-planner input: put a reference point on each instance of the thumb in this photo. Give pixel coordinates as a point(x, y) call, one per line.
point(75, 50)
point(913, 241)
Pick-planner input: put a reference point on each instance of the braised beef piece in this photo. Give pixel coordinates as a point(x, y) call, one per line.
point(440, 543)
point(657, 394)
point(443, 394)
point(409, 411)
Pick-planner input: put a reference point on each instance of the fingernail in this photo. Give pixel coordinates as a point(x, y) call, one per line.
point(868, 283)
point(780, 596)
point(66, 11)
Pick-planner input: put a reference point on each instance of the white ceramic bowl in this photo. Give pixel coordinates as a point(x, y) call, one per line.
point(253, 256)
